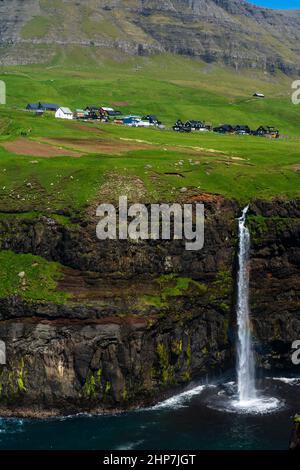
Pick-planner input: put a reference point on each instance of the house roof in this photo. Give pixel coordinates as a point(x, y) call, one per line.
point(49, 106)
point(43, 106)
point(33, 106)
point(66, 110)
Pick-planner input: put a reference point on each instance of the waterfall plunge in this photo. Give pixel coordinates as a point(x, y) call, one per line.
point(248, 400)
point(246, 363)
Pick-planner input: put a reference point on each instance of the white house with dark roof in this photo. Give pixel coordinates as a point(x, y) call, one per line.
point(64, 113)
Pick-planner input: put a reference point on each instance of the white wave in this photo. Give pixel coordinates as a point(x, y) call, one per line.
point(263, 405)
point(231, 404)
point(181, 400)
point(130, 445)
point(11, 425)
point(286, 380)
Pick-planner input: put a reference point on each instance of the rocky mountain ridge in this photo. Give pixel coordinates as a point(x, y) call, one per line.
point(231, 32)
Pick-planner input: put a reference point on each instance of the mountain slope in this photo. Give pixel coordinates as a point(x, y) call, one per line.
point(229, 31)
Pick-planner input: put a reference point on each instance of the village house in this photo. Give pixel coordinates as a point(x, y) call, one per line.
point(94, 108)
point(224, 129)
point(49, 107)
point(42, 107)
point(64, 113)
point(110, 112)
point(80, 114)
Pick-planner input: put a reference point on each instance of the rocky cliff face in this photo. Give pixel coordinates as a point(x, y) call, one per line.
point(229, 31)
point(295, 437)
point(275, 281)
point(144, 319)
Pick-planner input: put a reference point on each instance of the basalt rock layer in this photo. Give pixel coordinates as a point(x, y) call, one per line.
point(295, 437)
point(144, 319)
point(232, 32)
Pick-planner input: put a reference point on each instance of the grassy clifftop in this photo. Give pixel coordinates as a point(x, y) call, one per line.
point(65, 167)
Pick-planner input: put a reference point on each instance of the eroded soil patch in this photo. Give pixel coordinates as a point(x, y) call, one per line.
point(109, 147)
point(31, 148)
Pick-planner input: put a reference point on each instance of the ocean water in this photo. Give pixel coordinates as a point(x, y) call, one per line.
point(201, 418)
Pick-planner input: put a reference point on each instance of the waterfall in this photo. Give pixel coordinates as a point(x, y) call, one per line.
point(245, 362)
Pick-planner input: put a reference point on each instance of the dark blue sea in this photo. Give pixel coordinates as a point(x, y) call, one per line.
point(202, 417)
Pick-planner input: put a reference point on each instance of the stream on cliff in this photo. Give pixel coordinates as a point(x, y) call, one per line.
point(189, 420)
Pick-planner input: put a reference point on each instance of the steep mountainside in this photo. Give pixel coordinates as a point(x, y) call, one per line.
point(229, 31)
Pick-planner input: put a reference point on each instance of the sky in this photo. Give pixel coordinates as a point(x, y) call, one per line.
point(277, 3)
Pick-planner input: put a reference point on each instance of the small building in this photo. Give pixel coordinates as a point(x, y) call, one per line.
point(80, 114)
point(224, 129)
point(267, 131)
point(131, 121)
point(110, 112)
point(259, 95)
point(42, 107)
point(260, 131)
point(242, 129)
point(195, 125)
point(94, 108)
point(64, 113)
point(105, 109)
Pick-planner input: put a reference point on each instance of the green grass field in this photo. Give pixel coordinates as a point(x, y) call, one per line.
point(30, 277)
point(148, 165)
